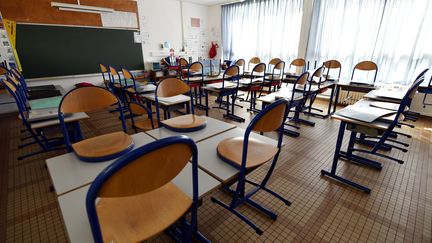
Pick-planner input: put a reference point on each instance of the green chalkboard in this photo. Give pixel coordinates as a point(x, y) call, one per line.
point(49, 51)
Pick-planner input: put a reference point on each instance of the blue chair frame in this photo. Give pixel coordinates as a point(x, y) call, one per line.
point(197, 93)
point(239, 194)
point(66, 135)
point(97, 184)
point(46, 144)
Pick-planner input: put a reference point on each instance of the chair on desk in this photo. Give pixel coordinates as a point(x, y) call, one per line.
point(241, 64)
point(332, 65)
point(275, 75)
point(130, 86)
point(316, 78)
point(229, 88)
point(99, 148)
point(190, 122)
point(106, 78)
point(142, 117)
point(252, 63)
point(196, 71)
point(245, 153)
point(298, 63)
point(134, 198)
point(255, 84)
point(385, 136)
point(364, 66)
point(38, 136)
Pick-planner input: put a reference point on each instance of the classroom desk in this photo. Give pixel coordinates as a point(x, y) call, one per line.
point(230, 89)
point(212, 128)
point(393, 95)
point(345, 84)
point(73, 208)
point(209, 161)
point(75, 117)
point(354, 126)
point(207, 79)
point(69, 173)
point(168, 104)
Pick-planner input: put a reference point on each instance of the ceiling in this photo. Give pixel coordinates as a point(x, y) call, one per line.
point(211, 2)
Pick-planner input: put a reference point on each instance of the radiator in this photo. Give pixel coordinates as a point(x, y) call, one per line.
point(353, 97)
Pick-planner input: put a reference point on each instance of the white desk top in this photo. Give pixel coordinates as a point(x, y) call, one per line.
point(388, 95)
point(55, 121)
point(212, 128)
point(167, 101)
point(209, 161)
point(74, 212)
point(69, 173)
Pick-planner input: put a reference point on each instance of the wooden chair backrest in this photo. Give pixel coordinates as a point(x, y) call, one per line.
point(232, 71)
point(366, 66)
point(300, 62)
point(196, 67)
point(87, 99)
point(332, 64)
point(271, 120)
point(255, 60)
point(274, 61)
point(183, 62)
point(127, 74)
point(148, 172)
point(260, 68)
point(103, 68)
point(240, 62)
point(3, 70)
point(171, 87)
point(318, 72)
point(280, 65)
point(113, 71)
point(302, 80)
point(10, 86)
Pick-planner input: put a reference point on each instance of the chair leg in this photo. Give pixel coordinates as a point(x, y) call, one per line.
point(239, 215)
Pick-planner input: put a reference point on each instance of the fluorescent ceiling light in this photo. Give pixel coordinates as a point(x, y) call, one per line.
point(81, 8)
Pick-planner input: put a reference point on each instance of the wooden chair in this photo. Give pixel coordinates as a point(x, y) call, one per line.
point(274, 78)
point(99, 148)
point(146, 121)
point(130, 86)
point(195, 71)
point(134, 198)
point(37, 136)
point(241, 64)
point(229, 88)
point(365, 66)
point(106, 77)
point(316, 78)
point(252, 62)
point(184, 65)
point(332, 65)
point(291, 76)
point(245, 153)
point(186, 123)
point(255, 84)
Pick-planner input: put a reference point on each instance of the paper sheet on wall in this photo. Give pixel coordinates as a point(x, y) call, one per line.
point(120, 19)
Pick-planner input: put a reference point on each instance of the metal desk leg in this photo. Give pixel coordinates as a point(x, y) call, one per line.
point(206, 103)
point(336, 157)
point(331, 100)
point(336, 98)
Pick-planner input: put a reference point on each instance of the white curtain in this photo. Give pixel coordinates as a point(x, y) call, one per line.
point(395, 34)
point(263, 28)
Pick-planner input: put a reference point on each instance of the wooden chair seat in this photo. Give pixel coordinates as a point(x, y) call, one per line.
point(131, 90)
point(145, 124)
point(140, 217)
point(185, 123)
point(231, 150)
point(103, 147)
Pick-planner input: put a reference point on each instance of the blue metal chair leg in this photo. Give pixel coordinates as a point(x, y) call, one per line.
point(239, 215)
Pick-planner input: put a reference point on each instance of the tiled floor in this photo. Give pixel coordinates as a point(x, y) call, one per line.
point(398, 209)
